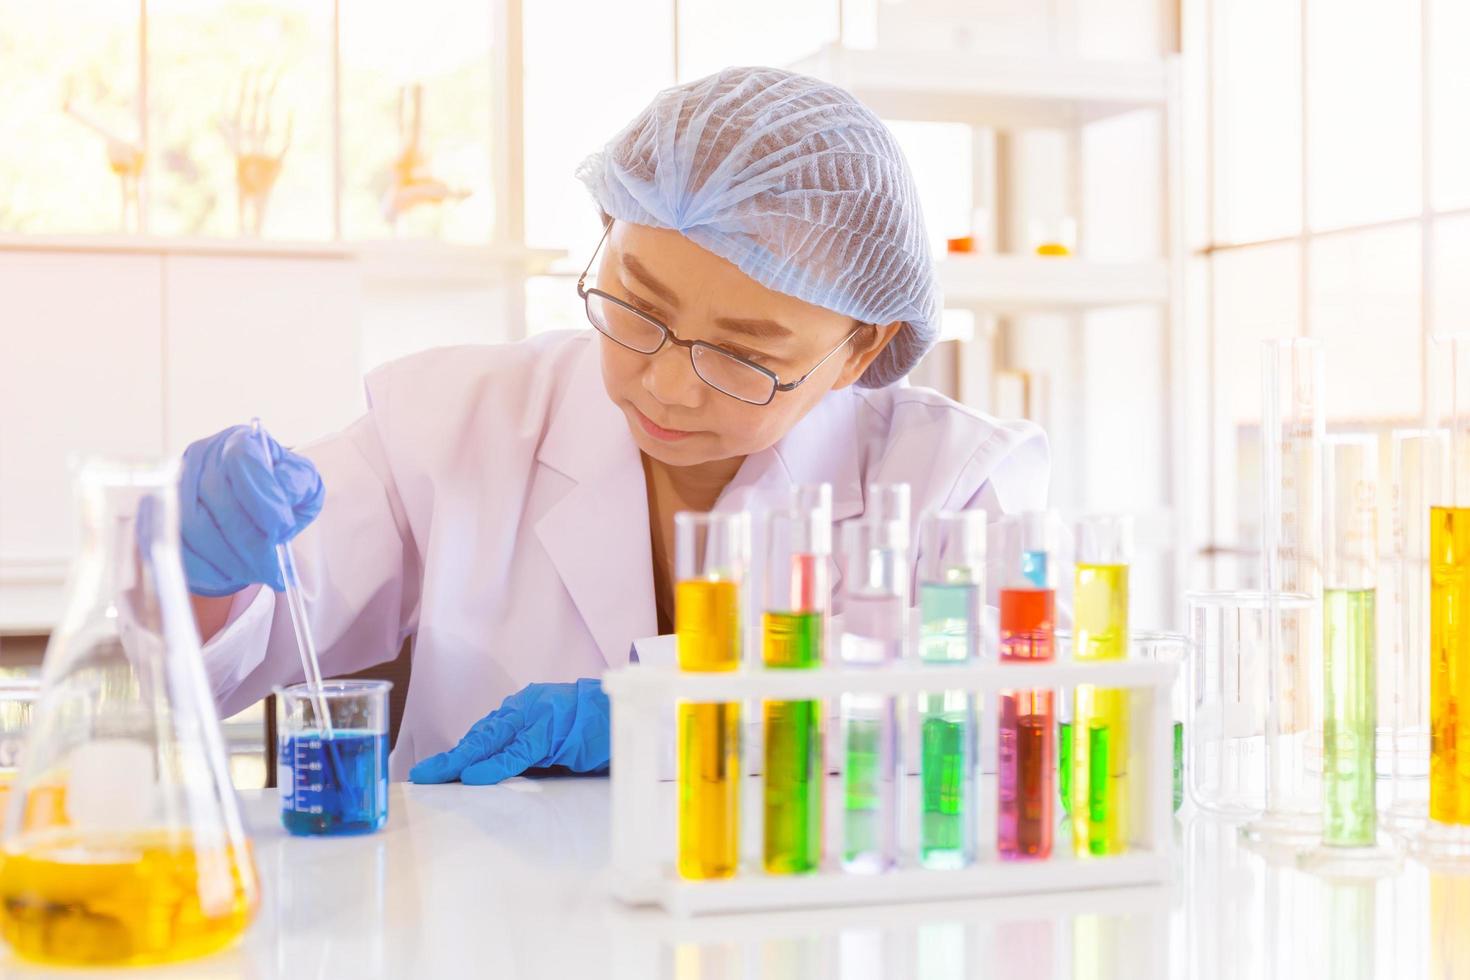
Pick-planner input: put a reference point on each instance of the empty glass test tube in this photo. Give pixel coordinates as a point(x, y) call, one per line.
point(875, 613)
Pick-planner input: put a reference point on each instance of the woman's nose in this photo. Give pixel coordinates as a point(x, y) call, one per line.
point(669, 377)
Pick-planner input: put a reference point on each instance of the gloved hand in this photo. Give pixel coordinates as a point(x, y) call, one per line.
point(540, 725)
point(236, 503)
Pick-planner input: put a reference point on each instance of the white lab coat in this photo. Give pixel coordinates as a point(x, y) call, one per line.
point(491, 503)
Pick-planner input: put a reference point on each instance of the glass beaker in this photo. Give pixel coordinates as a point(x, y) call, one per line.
point(123, 843)
point(333, 778)
point(1225, 723)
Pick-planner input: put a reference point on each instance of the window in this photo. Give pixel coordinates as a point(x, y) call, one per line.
point(282, 119)
point(1319, 124)
point(70, 83)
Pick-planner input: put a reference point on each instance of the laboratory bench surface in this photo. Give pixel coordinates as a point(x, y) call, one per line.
point(512, 881)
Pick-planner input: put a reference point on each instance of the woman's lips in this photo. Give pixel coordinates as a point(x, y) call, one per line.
point(658, 431)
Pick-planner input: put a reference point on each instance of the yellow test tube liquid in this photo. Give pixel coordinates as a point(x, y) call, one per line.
point(707, 625)
point(143, 898)
point(1100, 715)
point(1449, 668)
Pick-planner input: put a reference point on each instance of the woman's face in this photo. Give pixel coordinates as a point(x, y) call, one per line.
point(674, 416)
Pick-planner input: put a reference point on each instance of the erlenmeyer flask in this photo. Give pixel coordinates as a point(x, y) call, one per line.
point(123, 842)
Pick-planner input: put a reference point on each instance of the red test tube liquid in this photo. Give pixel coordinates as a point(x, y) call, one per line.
point(1027, 735)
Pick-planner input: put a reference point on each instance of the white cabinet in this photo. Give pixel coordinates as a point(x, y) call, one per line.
point(80, 373)
point(123, 351)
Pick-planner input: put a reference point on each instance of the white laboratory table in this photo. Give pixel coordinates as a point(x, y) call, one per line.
point(511, 882)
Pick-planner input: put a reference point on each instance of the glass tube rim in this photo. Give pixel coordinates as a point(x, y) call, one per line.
point(342, 689)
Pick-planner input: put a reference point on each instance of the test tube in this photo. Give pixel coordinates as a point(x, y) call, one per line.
point(1419, 458)
point(1171, 648)
point(1446, 837)
point(710, 555)
point(875, 634)
point(1027, 734)
point(1293, 387)
point(1349, 614)
point(1064, 730)
point(1099, 758)
point(797, 545)
point(951, 601)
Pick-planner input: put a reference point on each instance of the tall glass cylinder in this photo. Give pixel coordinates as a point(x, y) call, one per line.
point(951, 603)
point(1349, 604)
point(1419, 460)
point(1447, 835)
point(1293, 425)
point(710, 555)
point(1026, 746)
point(797, 545)
point(874, 634)
point(1099, 756)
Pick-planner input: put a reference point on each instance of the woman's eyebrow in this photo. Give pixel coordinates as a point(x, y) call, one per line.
point(647, 278)
point(759, 328)
point(764, 329)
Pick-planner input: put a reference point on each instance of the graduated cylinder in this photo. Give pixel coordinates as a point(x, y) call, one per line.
point(1350, 630)
point(1293, 424)
point(710, 556)
point(1449, 597)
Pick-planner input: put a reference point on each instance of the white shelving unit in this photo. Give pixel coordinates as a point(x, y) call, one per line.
point(1007, 92)
point(1001, 97)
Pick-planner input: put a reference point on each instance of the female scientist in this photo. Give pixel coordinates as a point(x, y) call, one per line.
point(764, 281)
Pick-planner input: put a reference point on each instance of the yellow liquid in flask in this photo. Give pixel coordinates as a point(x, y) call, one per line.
point(137, 899)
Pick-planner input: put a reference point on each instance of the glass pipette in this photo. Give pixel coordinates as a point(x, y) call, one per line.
point(310, 666)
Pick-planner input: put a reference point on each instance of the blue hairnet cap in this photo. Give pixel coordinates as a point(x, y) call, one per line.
point(795, 182)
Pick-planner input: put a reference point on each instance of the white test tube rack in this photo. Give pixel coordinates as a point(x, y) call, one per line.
point(643, 849)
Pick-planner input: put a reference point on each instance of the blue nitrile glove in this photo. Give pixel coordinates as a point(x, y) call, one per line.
point(236, 504)
point(540, 725)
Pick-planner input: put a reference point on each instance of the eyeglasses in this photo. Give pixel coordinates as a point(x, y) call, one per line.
point(724, 371)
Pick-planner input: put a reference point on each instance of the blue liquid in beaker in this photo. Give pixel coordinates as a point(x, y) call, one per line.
point(334, 786)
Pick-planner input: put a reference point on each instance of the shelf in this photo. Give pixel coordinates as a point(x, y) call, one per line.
point(421, 262)
point(392, 262)
point(166, 245)
point(1026, 283)
point(957, 86)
